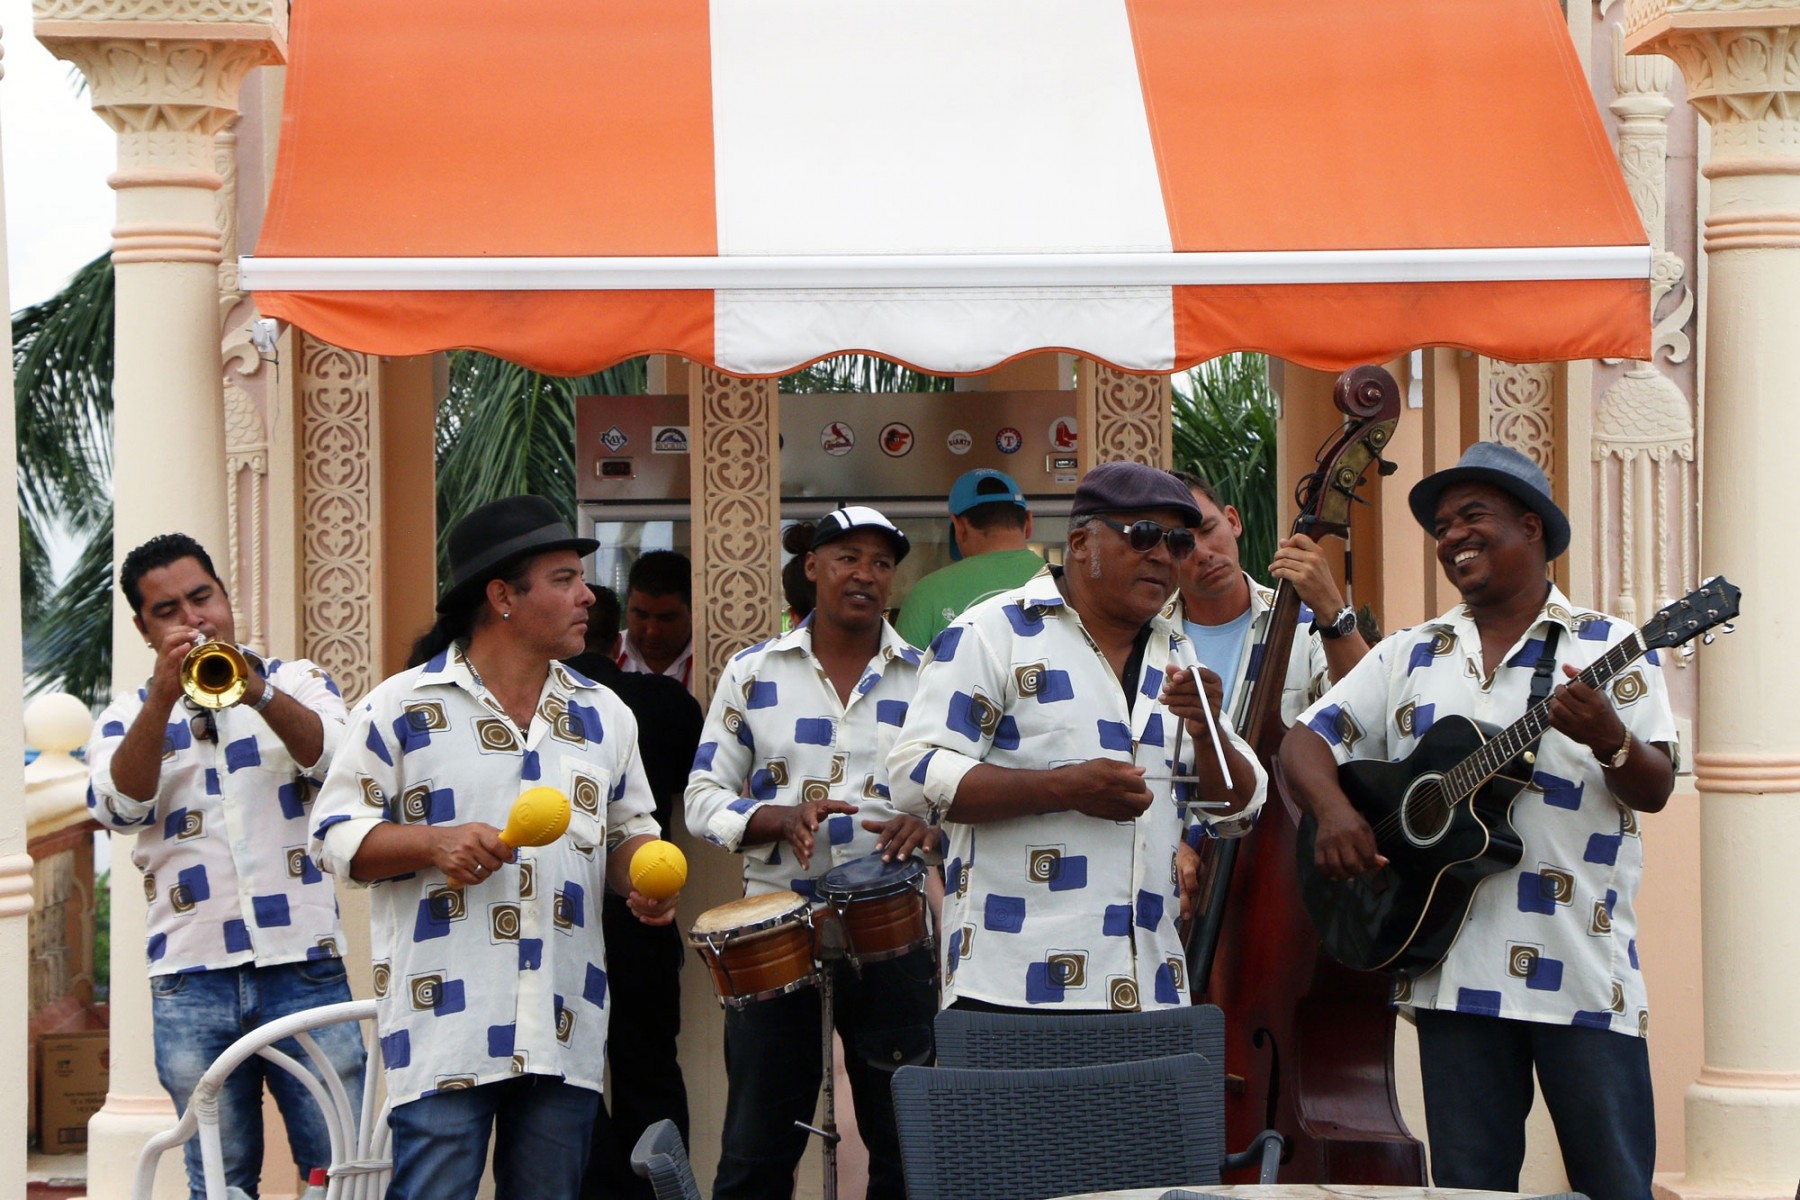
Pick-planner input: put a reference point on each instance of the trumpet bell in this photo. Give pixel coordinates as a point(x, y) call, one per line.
point(215, 674)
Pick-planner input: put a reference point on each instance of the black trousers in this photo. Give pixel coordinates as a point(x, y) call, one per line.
point(643, 974)
point(773, 1067)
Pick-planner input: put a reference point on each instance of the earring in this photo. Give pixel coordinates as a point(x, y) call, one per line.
point(506, 616)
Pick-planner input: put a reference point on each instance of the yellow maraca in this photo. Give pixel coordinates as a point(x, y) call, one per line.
point(538, 817)
point(658, 870)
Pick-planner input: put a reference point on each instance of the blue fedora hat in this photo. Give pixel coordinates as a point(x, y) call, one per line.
point(1504, 468)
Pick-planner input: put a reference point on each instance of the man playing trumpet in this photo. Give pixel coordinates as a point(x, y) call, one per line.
point(216, 781)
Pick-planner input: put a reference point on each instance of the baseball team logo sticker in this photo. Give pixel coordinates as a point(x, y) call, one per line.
point(668, 439)
point(896, 439)
point(614, 439)
point(1008, 440)
point(959, 442)
point(837, 439)
point(1063, 435)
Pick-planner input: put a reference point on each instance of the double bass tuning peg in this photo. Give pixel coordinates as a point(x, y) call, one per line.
point(1385, 467)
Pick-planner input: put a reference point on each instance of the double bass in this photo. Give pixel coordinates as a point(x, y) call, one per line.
point(1309, 1043)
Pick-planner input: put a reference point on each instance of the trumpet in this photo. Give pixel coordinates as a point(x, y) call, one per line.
point(215, 674)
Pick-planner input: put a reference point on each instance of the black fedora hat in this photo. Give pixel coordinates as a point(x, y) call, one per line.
point(499, 533)
point(1502, 467)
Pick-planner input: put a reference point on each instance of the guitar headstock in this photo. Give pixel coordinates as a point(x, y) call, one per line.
point(1712, 604)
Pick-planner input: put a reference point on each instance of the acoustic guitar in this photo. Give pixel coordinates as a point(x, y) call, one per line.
point(1442, 815)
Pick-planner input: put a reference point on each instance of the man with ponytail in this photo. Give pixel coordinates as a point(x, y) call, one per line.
point(490, 975)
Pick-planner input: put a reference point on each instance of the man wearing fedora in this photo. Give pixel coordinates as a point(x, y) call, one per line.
point(1047, 737)
point(990, 528)
point(1544, 973)
point(490, 975)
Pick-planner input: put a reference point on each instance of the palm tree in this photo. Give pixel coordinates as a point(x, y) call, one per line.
point(1224, 417)
point(62, 395)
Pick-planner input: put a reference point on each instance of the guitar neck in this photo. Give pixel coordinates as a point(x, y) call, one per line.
point(1469, 774)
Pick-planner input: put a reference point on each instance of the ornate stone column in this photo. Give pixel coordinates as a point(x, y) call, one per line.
point(1741, 60)
point(15, 864)
point(165, 75)
point(1122, 416)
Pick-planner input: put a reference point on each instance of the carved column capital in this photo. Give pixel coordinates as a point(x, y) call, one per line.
point(1741, 62)
point(165, 75)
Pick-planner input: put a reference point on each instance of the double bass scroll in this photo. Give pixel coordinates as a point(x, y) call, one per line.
point(1309, 1043)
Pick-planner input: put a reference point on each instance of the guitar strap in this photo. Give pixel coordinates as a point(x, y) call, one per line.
point(1543, 677)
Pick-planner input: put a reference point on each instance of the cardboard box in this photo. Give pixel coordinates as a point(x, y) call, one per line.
point(72, 1078)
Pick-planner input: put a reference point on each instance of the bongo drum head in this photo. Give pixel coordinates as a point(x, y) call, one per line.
point(861, 878)
point(750, 914)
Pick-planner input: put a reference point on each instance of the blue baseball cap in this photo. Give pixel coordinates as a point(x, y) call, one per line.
point(984, 485)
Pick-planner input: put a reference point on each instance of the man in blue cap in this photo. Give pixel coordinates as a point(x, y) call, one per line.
point(1544, 972)
point(990, 526)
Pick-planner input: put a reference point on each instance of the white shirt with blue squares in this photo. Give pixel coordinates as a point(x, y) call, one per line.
point(1062, 909)
point(223, 843)
point(1553, 939)
point(778, 734)
point(506, 977)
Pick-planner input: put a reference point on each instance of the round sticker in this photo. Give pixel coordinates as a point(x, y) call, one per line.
point(1062, 434)
point(896, 440)
point(959, 441)
point(837, 439)
point(1008, 440)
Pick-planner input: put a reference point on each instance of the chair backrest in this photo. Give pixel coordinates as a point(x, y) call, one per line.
point(1030, 1135)
point(360, 1160)
point(1021, 1041)
point(660, 1157)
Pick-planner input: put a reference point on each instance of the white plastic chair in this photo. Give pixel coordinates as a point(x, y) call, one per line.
point(360, 1158)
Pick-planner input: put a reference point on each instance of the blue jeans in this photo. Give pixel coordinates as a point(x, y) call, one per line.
point(1477, 1075)
point(773, 1069)
point(199, 1014)
point(541, 1131)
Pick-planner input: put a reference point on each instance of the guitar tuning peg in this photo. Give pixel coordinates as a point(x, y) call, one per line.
point(1708, 637)
point(1687, 650)
point(1728, 627)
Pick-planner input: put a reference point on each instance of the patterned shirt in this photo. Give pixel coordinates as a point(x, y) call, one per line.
point(506, 977)
point(1307, 673)
point(223, 843)
point(1553, 939)
point(778, 734)
point(1059, 908)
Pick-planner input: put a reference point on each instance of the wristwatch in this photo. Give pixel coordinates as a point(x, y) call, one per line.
point(1342, 624)
point(1619, 756)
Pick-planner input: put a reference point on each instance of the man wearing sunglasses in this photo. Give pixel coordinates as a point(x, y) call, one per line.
point(243, 928)
point(1058, 730)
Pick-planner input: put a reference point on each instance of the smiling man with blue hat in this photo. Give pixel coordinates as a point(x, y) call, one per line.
point(1543, 975)
point(990, 526)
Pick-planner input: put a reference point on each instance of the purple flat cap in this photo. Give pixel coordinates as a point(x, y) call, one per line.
point(1125, 486)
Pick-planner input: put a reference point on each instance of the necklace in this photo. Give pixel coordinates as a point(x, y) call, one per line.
point(498, 703)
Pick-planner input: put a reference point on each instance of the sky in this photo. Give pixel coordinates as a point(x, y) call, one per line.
point(59, 211)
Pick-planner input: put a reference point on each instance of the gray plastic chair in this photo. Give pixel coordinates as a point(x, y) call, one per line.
point(1031, 1135)
point(1016, 1041)
point(660, 1157)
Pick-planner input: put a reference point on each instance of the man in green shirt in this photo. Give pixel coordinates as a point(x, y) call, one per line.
point(990, 527)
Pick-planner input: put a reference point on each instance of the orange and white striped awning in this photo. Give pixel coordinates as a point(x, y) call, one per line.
point(756, 184)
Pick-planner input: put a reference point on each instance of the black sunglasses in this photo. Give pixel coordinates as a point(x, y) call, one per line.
point(202, 726)
point(1142, 536)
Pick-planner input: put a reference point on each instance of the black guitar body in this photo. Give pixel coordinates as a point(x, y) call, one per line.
point(1402, 918)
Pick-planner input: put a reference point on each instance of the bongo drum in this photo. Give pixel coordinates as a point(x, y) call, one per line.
point(882, 905)
point(756, 947)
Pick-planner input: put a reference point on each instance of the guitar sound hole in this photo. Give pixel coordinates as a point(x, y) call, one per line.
point(1425, 815)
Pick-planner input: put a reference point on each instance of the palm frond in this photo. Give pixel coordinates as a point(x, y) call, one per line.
point(62, 385)
point(68, 647)
point(503, 430)
point(1224, 431)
